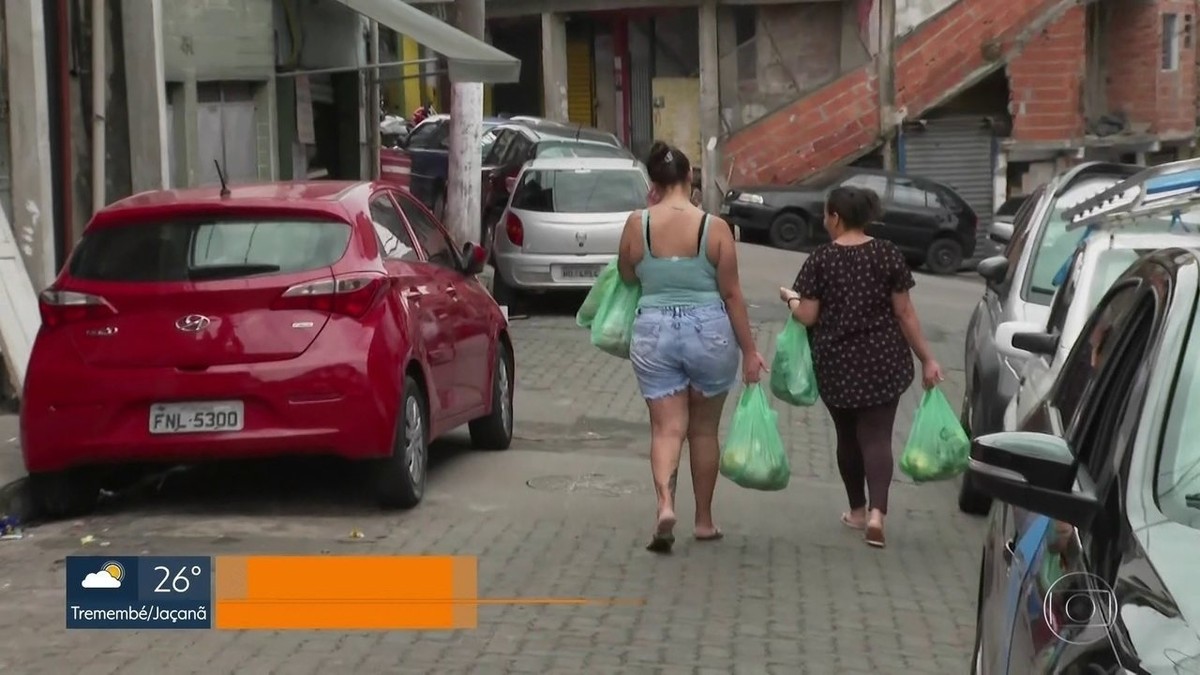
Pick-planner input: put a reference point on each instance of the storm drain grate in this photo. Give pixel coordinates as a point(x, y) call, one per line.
point(592, 483)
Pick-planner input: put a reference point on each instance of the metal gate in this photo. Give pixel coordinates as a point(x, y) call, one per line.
point(958, 152)
point(580, 73)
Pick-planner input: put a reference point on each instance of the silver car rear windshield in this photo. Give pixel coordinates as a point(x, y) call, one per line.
point(207, 249)
point(581, 191)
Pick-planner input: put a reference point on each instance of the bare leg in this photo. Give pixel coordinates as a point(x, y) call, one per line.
point(704, 456)
point(668, 428)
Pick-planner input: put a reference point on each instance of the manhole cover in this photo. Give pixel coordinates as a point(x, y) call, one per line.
point(592, 483)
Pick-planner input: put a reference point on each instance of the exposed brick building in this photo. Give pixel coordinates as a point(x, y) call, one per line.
point(1051, 82)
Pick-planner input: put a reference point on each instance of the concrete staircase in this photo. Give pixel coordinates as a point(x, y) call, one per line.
point(840, 122)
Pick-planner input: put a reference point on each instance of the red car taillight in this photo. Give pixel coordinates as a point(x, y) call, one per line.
point(352, 295)
point(62, 307)
point(514, 229)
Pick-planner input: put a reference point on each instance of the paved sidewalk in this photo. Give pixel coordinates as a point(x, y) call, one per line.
point(566, 512)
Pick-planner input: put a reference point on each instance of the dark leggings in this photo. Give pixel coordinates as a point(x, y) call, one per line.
point(864, 452)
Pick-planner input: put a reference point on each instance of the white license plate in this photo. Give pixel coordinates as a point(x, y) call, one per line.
point(579, 271)
point(192, 418)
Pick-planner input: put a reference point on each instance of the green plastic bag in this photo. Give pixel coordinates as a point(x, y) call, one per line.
point(754, 456)
point(613, 310)
point(603, 283)
point(793, 379)
point(938, 448)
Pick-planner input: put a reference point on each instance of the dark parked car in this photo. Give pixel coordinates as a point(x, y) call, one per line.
point(427, 148)
point(529, 138)
point(1088, 565)
point(930, 222)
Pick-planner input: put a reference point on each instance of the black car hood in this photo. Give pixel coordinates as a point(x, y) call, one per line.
point(1160, 599)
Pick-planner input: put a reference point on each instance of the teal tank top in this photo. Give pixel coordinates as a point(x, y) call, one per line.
point(677, 281)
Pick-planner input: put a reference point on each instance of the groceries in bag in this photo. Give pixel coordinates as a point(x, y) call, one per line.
point(793, 379)
point(938, 447)
point(754, 456)
point(615, 311)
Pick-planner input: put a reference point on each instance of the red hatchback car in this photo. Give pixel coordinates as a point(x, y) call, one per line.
point(293, 318)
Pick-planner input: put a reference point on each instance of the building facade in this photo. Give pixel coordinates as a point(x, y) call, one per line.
point(990, 97)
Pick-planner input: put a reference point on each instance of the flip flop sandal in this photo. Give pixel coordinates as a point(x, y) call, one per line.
point(874, 537)
point(661, 543)
point(716, 535)
point(851, 524)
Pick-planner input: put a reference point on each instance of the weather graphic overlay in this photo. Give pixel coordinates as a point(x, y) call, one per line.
point(140, 592)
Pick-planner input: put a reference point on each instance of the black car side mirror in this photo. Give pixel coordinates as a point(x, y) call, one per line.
point(1035, 472)
point(474, 258)
point(993, 269)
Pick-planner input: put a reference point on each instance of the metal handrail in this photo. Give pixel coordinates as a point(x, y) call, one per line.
point(1164, 182)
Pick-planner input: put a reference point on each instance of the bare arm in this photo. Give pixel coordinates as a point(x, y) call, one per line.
point(629, 252)
point(910, 325)
point(805, 310)
point(720, 236)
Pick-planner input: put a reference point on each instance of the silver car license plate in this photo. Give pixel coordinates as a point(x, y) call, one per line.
point(579, 272)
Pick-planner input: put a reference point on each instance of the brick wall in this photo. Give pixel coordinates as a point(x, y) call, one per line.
point(1046, 82)
point(1154, 100)
point(842, 118)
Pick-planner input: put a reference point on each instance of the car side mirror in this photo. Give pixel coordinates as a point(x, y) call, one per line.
point(993, 269)
point(1022, 340)
point(474, 258)
point(1000, 231)
point(1035, 472)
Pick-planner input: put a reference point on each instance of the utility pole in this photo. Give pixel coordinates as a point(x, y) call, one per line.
point(464, 182)
point(886, 80)
point(373, 138)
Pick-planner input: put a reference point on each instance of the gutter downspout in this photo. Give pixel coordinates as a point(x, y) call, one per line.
point(65, 149)
point(99, 105)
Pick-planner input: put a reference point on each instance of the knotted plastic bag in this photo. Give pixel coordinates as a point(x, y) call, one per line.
point(609, 311)
point(938, 447)
point(793, 379)
point(754, 456)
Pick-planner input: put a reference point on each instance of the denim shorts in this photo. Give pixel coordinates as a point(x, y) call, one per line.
point(674, 348)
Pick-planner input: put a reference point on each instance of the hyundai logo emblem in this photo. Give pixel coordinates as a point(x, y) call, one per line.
point(193, 323)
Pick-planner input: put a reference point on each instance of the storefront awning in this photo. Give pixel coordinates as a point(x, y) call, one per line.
point(468, 59)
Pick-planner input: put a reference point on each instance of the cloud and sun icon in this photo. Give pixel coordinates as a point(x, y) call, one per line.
point(109, 576)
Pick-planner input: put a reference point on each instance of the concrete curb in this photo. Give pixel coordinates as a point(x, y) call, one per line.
point(15, 501)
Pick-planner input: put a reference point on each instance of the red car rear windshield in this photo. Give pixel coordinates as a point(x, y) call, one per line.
point(207, 249)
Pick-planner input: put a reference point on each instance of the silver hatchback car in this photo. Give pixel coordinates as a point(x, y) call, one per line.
point(563, 223)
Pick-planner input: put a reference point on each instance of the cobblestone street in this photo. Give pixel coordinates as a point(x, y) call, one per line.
point(566, 512)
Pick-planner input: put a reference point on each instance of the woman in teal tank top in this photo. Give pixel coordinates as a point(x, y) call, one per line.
point(690, 331)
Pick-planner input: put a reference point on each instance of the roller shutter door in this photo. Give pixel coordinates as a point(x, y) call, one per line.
point(957, 152)
point(580, 84)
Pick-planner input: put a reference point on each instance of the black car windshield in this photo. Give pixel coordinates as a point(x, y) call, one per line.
point(582, 191)
point(1177, 479)
point(207, 249)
